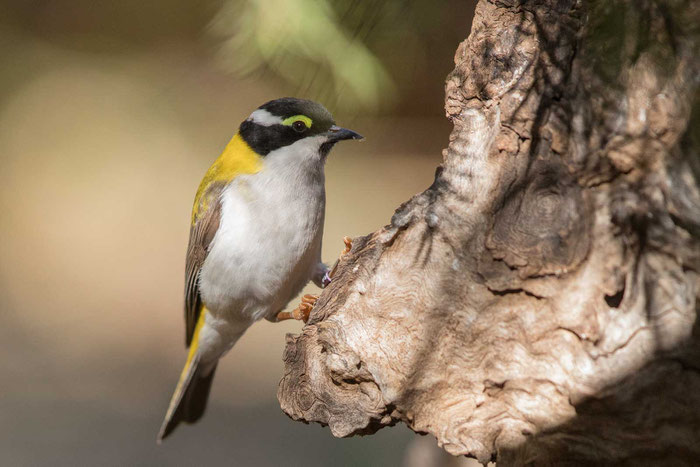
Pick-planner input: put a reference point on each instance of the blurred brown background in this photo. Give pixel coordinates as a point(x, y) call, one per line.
point(110, 113)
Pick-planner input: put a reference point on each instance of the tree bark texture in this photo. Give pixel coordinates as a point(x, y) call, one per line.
point(538, 303)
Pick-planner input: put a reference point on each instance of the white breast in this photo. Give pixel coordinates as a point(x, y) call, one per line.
point(269, 238)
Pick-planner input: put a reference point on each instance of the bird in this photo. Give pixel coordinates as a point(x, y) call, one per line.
point(255, 238)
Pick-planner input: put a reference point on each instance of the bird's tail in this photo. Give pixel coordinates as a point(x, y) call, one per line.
point(192, 390)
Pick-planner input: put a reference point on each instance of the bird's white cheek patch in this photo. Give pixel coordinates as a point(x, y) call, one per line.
point(306, 149)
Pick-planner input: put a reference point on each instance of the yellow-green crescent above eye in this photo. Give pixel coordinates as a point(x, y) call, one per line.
point(297, 118)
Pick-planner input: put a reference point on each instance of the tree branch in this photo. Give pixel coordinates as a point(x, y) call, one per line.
point(538, 302)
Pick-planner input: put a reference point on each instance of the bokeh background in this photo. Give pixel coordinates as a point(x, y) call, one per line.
point(110, 113)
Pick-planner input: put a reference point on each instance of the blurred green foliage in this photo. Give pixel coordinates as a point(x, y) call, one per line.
point(357, 57)
point(301, 41)
point(337, 51)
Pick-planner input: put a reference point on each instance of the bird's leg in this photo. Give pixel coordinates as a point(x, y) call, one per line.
point(302, 311)
point(308, 301)
point(320, 277)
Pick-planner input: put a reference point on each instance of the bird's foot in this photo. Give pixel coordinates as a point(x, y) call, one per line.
point(348, 246)
point(302, 311)
point(328, 277)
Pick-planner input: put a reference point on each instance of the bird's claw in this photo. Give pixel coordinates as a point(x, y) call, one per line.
point(348, 246)
point(328, 277)
point(301, 312)
point(308, 301)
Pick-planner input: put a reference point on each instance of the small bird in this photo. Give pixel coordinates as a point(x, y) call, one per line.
point(255, 237)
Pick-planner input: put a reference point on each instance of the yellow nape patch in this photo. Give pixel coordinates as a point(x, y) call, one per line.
point(237, 159)
point(298, 118)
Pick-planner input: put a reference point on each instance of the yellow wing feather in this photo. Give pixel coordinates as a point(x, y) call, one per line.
point(237, 159)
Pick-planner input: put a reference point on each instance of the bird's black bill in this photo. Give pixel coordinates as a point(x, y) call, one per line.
point(336, 134)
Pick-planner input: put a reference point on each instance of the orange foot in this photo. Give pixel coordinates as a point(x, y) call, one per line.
point(302, 311)
point(348, 246)
point(329, 275)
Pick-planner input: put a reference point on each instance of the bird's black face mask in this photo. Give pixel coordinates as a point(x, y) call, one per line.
point(289, 120)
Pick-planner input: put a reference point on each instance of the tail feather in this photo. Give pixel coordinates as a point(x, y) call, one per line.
point(196, 397)
point(189, 400)
point(192, 391)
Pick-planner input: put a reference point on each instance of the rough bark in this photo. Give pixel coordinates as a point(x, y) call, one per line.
point(538, 303)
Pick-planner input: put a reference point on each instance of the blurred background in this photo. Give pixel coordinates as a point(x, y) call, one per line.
point(110, 113)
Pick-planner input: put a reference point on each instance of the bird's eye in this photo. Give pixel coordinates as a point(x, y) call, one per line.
point(299, 126)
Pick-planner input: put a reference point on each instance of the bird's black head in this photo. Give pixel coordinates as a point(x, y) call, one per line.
point(282, 122)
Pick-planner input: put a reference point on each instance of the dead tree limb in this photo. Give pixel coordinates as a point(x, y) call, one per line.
point(538, 303)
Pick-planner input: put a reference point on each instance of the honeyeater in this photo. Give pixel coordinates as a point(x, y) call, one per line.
point(255, 237)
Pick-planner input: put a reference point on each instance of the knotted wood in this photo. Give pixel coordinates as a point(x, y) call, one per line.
point(538, 303)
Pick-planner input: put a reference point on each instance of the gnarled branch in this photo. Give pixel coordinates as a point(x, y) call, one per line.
point(538, 302)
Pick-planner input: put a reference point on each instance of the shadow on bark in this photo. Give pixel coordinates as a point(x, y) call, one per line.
point(537, 304)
